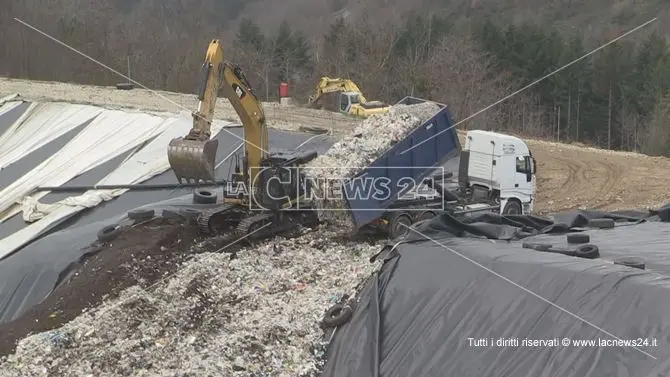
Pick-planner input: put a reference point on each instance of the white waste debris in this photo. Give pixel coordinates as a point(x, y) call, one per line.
point(256, 315)
point(353, 153)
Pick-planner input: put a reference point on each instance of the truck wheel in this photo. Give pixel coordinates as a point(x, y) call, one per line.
point(512, 207)
point(202, 196)
point(399, 226)
point(426, 216)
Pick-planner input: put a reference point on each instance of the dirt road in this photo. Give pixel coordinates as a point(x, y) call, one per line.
point(569, 176)
point(576, 177)
point(572, 177)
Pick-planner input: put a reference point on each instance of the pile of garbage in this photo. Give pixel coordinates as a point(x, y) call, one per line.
point(353, 153)
point(258, 314)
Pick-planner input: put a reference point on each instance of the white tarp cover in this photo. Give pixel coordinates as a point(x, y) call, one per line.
point(10, 97)
point(145, 164)
point(40, 125)
point(112, 133)
point(8, 106)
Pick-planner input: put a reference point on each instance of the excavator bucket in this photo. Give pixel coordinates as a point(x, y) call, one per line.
point(192, 160)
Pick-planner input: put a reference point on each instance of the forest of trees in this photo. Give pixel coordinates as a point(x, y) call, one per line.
point(608, 99)
point(617, 98)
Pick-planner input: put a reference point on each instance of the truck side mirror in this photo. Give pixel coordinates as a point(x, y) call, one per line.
point(533, 169)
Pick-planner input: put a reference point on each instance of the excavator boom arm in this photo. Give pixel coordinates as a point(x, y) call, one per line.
point(329, 85)
point(240, 94)
point(193, 157)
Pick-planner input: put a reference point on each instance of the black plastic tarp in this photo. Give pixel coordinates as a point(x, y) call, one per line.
point(445, 299)
point(30, 274)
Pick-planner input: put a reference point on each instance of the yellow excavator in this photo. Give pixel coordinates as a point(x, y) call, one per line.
point(268, 187)
point(351, 99)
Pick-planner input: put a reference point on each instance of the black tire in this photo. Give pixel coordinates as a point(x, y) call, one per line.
point(108, 233)
point(587, 251)
point(125, 86)
point(512, 207)
point(578, 238)
point(399, 226)
point(141, 214)
point(601, 223)
point(337, 315)
point(203, 196)
point(170, 214)
point(426, 216)
point(633, 262)
point(313, 130)
point(537, 246)
point(190, 213)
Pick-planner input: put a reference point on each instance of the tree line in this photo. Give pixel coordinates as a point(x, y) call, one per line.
point(616, 98)
point(609, 98)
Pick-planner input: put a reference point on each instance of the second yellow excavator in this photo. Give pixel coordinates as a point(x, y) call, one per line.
point(268, 188)
point(351, 101)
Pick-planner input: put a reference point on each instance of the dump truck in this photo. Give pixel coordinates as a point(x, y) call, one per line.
point(496, 172)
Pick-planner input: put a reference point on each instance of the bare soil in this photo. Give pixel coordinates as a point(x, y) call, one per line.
point(573, 177)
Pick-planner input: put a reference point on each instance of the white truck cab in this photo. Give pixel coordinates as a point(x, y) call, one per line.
point(498, 168)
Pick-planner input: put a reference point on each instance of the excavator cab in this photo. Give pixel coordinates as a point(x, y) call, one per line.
point(348, 99)
point(281, 181)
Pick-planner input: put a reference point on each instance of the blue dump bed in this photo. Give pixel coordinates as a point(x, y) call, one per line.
point(397, 171)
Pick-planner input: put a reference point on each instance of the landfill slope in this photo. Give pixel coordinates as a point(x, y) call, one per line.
point(257, 314)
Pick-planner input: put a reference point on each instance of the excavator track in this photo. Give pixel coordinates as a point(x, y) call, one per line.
point(209, 217)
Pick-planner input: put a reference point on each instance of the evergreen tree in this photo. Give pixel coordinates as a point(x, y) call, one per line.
point(652, 74)
point(250, 35)
point(291, 52)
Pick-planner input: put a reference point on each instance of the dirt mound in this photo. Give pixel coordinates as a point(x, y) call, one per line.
point(105, 271)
